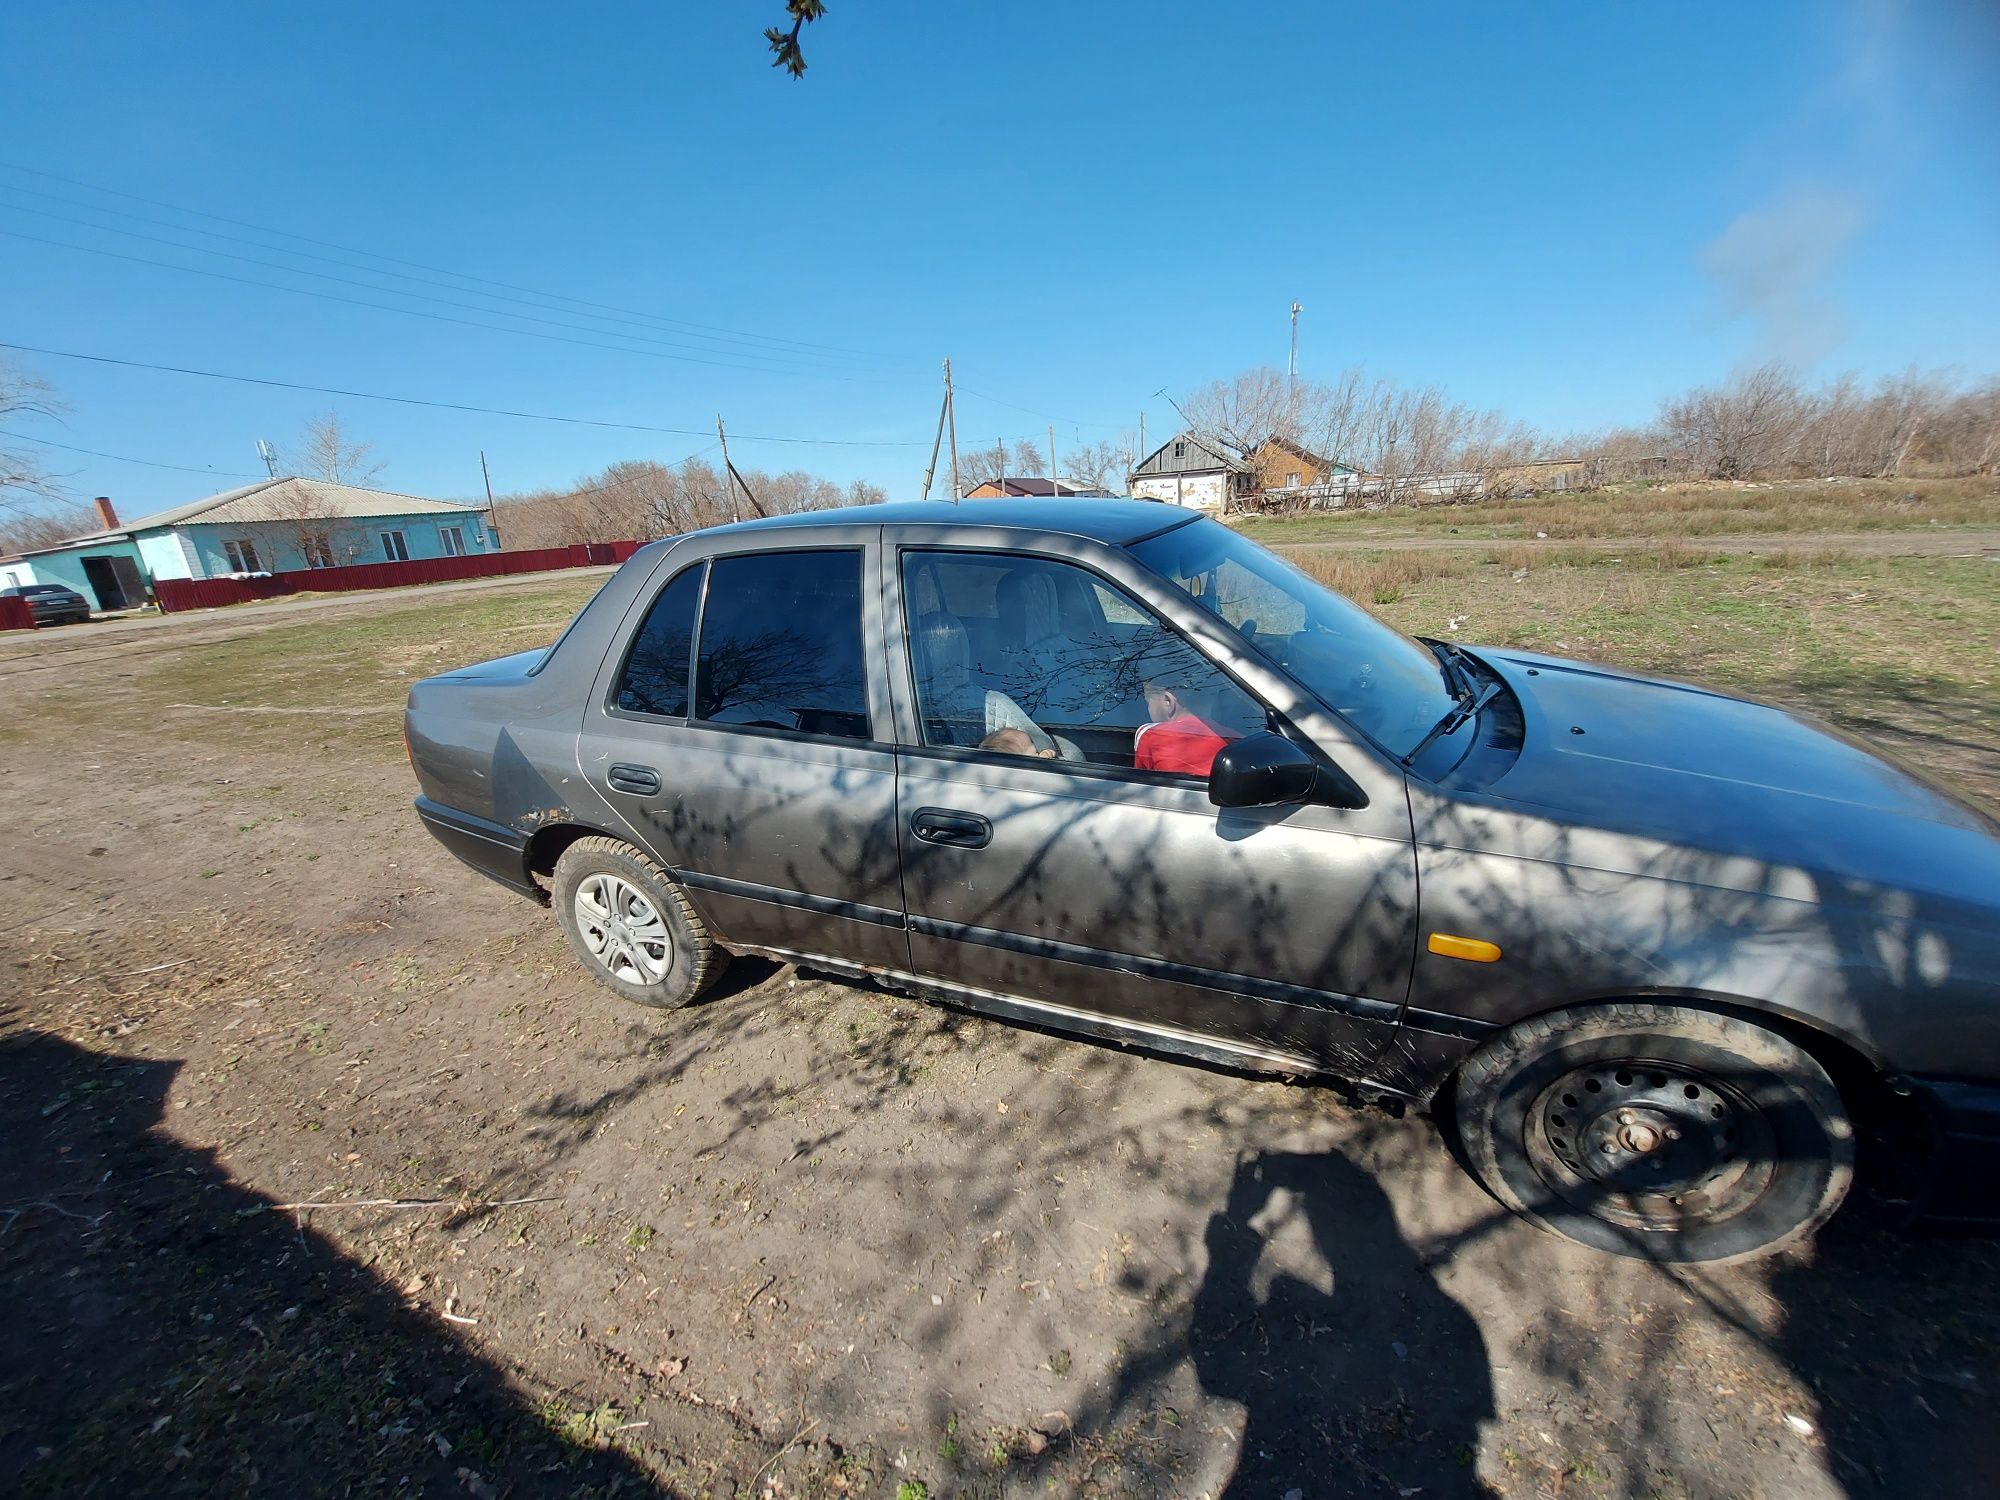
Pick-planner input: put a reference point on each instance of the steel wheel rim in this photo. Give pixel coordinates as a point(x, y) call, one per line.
point(623, 930)
point(1650, 1145)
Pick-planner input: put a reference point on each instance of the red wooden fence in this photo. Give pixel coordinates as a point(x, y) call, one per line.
point(210, 593)
point(16, 614)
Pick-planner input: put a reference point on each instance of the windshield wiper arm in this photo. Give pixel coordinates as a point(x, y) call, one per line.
point(1466, 707)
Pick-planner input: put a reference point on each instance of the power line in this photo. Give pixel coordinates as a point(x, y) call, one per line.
point(488, 411)
point(417, 265)
point(416, 312)
point(812, 363)
point(120, 458)
point(720, 333)
point(1031, 411)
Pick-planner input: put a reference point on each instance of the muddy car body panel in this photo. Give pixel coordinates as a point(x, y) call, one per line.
point(1612, 836)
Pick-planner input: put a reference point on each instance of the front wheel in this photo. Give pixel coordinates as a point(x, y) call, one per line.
point(1657, 1131)
point(630, 923)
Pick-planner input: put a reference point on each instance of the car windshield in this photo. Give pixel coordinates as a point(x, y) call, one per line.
point(1388, 686)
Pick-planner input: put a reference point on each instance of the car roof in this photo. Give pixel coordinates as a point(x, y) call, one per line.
point(1118, 522)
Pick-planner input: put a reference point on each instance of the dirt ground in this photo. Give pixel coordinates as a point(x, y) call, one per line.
point(800, 1239)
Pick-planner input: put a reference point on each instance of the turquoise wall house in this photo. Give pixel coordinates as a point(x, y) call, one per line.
point(278, 526)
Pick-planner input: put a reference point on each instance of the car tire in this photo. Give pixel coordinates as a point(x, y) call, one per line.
point(1657, 1132)
point(632, 925)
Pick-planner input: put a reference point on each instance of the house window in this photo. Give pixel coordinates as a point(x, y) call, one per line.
point(242, 557)
point(1292, 480)
point(318, 548)
point(1180, 450)
point(394, 547)
point(454, 540)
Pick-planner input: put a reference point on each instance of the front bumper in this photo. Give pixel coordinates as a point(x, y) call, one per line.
point(1950, 1153)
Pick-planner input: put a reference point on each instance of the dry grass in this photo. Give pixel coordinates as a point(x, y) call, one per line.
point(1387, 576)
point(1682, 511)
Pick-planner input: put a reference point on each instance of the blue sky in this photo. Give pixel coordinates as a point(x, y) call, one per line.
point(1565, 211)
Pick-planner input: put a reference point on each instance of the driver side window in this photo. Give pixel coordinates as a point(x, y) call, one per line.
point(1027, 656)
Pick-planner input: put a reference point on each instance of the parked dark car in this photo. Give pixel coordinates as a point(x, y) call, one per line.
point(51, 603)
point(1671, 959)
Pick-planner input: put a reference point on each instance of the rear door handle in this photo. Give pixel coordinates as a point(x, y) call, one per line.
point(641, 781)
point(958, 830)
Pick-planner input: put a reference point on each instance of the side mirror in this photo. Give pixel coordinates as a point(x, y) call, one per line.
point(1265, 770)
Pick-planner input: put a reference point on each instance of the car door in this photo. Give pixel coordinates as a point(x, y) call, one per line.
point(743, 734)
point(1093, 891)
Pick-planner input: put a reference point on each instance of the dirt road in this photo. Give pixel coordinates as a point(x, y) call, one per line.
point(801, 1239)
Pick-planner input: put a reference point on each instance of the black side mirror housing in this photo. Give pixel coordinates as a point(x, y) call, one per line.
point(1269, 770)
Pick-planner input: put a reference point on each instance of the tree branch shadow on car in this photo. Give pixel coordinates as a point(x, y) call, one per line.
point(936, 1173)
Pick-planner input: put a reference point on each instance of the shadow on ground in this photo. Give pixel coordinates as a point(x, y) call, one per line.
point(169, 1334)
point(1356, 1374)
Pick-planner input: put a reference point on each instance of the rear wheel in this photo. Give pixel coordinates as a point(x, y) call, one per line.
point(632, 925)
point(1657, 1132)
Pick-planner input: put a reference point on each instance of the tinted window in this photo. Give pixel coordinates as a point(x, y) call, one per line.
point(655, 679)
point(1053, 653)
point(781, 644)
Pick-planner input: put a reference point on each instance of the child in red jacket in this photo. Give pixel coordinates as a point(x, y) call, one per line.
point(1178, 739)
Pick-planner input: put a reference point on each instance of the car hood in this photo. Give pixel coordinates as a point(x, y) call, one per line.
point(1700, 770)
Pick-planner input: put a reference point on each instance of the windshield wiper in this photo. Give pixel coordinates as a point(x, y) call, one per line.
point(1469, 702)
point(1457, 665)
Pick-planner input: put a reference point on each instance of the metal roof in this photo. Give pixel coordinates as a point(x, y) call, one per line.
point(1157, 462)
point(274, 500)
point(1031, 486)
point(1113, 521)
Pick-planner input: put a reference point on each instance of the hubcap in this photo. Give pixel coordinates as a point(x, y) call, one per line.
point(623, 930)
point(1649, 1145)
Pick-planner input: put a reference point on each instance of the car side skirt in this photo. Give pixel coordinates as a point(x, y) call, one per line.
point(1057, 1017)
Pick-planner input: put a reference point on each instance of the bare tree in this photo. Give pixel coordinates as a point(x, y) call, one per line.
point(25, 482)
point(325, 452)
point(1749, 426)
point(1029, 458)
point(978, 465)
point(1100, 465)
point(305, 519)
point(641, 498)
point(1243, 412)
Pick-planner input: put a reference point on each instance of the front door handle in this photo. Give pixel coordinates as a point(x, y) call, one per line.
point(958, 830)
point(641, 781)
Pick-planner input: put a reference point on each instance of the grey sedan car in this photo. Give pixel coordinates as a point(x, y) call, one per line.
point(1669, 963)
point(50, 603)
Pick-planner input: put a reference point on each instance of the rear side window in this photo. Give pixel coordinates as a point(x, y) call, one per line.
point(781, 644)
point(655, 679)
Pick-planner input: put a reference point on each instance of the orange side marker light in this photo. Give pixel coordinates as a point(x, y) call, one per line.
point(1474, 950)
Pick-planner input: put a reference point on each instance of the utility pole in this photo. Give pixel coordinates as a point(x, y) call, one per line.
point(1055, 489)
point(270, 457)
point(1139, 457)
point(492, 525)
point(951, 424)
point(937, 442)
point(1292, 369)
point(728, 469)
